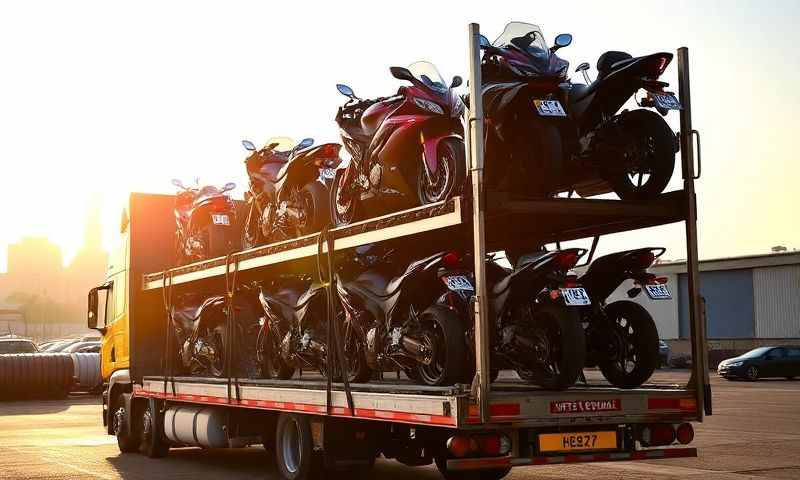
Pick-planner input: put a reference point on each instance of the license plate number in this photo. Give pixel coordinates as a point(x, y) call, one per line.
point(220, 219)
point(459, 282)
point(575, 296)
point(658, 291)
point(549, 108)
point(577, 441)
point(327, 173)
point(666, 100)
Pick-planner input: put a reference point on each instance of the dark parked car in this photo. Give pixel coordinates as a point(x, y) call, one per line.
point(763, 362)
point(17, 345)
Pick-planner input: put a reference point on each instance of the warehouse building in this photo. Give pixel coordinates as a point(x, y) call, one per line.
point(749, 301)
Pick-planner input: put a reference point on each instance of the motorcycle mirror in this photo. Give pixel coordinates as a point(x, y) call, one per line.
point(484, 42)
point(583, 66)
point(228, 187)
point(562, 40)
point(305, 143)
point(248, 145)
point(346, 91)
point(401, 73)
point(177, 183)
point(457, 81)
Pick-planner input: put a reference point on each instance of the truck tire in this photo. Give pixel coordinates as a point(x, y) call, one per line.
point(489, 474)
point(294, 448)
point(128, 442)
point(153, 444)
point(633, 330)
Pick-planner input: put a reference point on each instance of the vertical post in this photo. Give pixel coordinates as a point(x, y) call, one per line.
point(475, 149)
point(699, 379)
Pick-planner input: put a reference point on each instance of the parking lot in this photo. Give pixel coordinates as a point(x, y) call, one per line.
point(754, 433)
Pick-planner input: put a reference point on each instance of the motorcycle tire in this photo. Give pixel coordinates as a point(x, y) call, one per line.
point(632, 328)
point(218, 242)
point(346, 214)
point(251, 233)
point(272, 365)
point(650, 137)
point(450, 174)
point(316, 206)
point(562, 328)
point(358, 370)
point(445, 331)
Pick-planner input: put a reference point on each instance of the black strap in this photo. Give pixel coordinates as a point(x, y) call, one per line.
point(335, 354)
point(231, 339)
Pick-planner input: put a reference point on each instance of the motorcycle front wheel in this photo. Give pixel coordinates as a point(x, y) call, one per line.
point(443, 334)
point(560, 345)
point(355, 360)
point(449, 176)
point(630, 355)
point(343, 207)
point(272, 364)
point(251, 231)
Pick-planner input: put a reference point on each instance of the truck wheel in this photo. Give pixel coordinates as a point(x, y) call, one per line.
point(153, 443)
point(128, 442)
point(294, 447)
point(489, 474)
point(631, 353)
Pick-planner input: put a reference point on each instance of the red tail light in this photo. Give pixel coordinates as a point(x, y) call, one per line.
point(566, 260)
point(644, 259)
point(571, 281)
point(658, 64)
point(459, 446)
point(685, 433)
point(450, 259)
point(220, 203)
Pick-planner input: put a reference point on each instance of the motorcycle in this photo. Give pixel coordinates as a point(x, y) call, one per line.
point(205, 217)
point(391, 322)
point(292, 334)
point(536, 328)
point(622, 338)
point(201, 333)
point(288, 194)
point(407, 149)
point(547, 135)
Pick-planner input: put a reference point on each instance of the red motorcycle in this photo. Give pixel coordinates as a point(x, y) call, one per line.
point(205, 218)
point(407, 149)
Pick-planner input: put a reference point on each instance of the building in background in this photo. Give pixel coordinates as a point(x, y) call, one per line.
point(749, 301)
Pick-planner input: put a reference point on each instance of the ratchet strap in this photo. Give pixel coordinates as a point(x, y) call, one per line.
point(335, 355)
point(231, 339)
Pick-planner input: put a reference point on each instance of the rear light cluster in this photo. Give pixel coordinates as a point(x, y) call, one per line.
point(644, 259)
point(657, 65)
point(220, 202)
point(660, 434)
point(479, 445)
point(450, 260)
point(565, 261)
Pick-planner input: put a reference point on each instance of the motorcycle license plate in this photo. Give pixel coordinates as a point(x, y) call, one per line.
point(459, 282)
point(666, 100)
point(220, 219)
point(549, 108)
point(327, 173)
point(658, 291)
point(575, 297)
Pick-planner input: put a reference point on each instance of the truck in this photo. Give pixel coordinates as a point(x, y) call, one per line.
point(468, 430)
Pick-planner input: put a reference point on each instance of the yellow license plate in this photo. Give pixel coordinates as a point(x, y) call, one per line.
point(577, 441)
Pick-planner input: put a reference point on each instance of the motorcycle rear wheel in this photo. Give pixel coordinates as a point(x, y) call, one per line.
point(218, 242)
point(449, 176)
point(632, 354)
point(444, 334)
point(315, 203)
point(565, 355)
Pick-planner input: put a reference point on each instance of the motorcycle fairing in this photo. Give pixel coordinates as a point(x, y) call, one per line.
point(292, 302)
point(606, 273)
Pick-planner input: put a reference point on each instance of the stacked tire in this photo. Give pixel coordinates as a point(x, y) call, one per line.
point(87, 371)
point(36, 376)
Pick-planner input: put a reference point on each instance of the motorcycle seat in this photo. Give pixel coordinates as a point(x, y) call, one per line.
point(531, 257)
point(612, 60)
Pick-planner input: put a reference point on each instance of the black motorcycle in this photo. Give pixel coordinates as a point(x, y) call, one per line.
point(205, 218)
point(622, 338)
point(293, 333)
point(203, 338)
point(288, 195)
point(536, 327)
point(392, 322)
point(547, 135)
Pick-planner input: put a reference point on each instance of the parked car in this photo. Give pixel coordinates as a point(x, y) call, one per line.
point(762, 362)
point(17, 345)
point(664, 354)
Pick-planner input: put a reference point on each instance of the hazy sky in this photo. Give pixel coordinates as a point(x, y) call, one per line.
point(102, 98)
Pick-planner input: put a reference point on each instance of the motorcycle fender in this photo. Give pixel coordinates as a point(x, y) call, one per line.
point(429, 148)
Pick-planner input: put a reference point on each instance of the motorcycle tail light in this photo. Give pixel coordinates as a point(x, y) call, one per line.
point(328, 151)
point(658, 64)
point(653, 280)
point(571, 281)
point(566, 260)
point(220, 202)
point(644, 259)
point(450, 259)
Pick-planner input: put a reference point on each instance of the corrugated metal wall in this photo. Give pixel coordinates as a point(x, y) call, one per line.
point(729, 303)
point(777, 301)
point(664, 312)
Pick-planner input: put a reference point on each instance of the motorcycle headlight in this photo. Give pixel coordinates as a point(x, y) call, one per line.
point(429, 106)
point(734, 364)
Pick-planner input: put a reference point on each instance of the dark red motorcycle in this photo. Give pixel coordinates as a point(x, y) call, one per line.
point(206, 220)
point(407, 149)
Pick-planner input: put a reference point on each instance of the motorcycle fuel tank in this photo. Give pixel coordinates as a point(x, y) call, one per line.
point(374, 115)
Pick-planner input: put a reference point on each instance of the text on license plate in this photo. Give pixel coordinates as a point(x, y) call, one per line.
point(575, 296)
point(549, 108)
point(667, 101)
point(220, 219)
point(658, 291)
point(577, 441)
point(327, 173)
point(459, 282)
